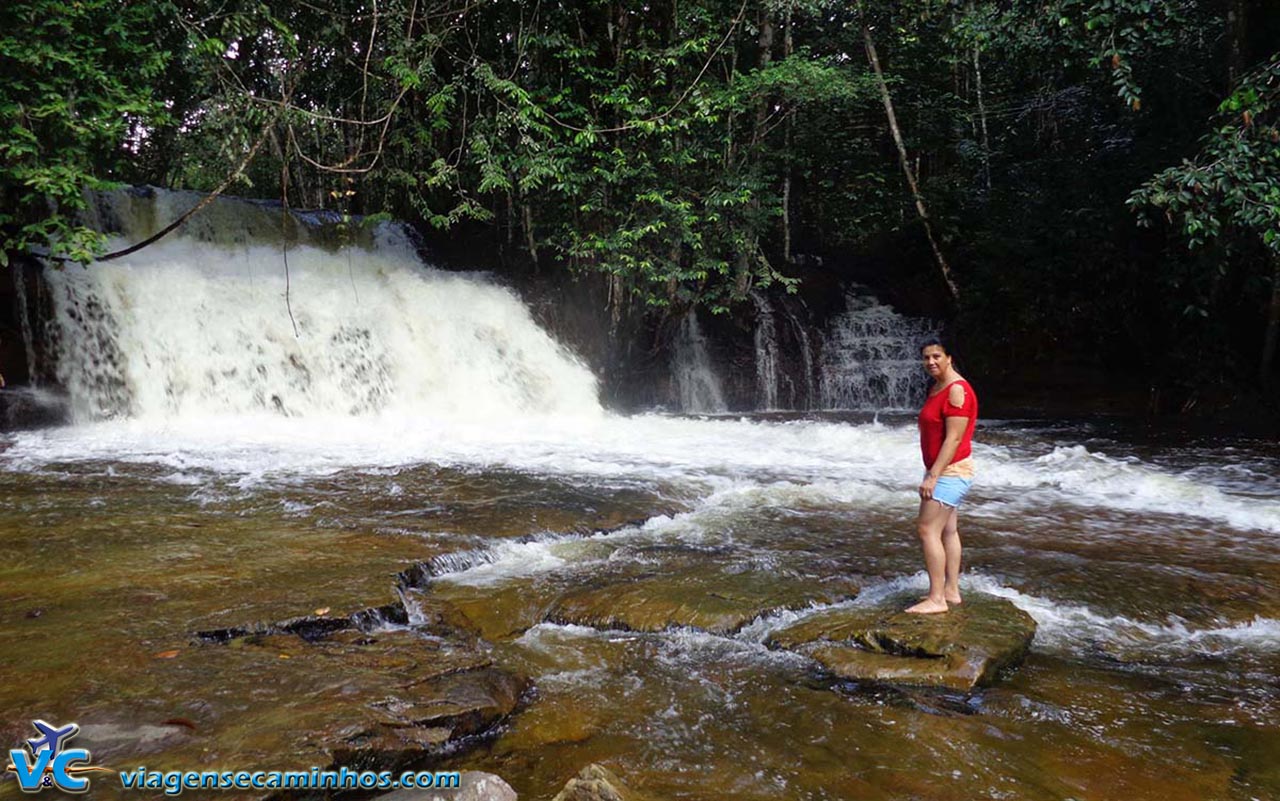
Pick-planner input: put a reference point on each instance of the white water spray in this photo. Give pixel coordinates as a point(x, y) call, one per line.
point(695, 378)
point(767, 356)
point(189, 329)
point(870, 361)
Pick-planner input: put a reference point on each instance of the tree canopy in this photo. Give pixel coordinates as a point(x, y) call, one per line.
point(982, 159)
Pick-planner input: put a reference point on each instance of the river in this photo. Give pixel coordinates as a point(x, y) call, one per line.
point(221, 469)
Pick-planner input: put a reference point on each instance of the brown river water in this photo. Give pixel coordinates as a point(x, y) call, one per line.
point(1152, 571)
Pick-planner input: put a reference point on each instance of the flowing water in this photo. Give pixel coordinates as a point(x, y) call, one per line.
point(222, 469)
point(869, 357)
point(695, 376)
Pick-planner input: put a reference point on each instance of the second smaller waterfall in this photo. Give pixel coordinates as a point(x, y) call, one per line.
point(869, 360)
point(766, 342)
point(695, 379)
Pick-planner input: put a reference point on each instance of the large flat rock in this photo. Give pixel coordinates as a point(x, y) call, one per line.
point(705, 597)
point(382, 701)
point(965, 648)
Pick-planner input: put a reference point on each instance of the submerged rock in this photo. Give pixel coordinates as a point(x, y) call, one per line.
point(383, 700)
point(596, 783)
point(475, 786)
point(695, 596)
point(428, 714)
point(118, 740)
point(965, 648)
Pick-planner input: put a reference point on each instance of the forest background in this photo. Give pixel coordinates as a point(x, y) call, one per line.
point(1087, 190)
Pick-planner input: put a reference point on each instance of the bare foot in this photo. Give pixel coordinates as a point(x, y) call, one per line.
point(954, 600)
point(928, 607)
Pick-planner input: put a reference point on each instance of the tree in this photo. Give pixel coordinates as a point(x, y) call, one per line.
point(75, 102)
point(1230, 191)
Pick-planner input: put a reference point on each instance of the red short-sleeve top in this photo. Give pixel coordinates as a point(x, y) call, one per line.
point(932, 420)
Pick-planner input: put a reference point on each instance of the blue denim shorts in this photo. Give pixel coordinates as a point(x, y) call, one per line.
point(950, 490)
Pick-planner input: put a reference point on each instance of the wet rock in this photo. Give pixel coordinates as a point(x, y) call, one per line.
point(383, 700)
point(475, 786)
point(555, 720)
point(965, 648)
point(435, 619)
point(109, 741)
point(596, 783)
point(308, 627)
point(377, 616)
point(23, 407)
point(696, 596)
point(425, 715)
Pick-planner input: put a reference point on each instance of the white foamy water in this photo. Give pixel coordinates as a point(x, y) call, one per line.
point(1065, 628)
point(1095, 479)
point(871, 358)
point(185, 330)
point(1072, 628)
point(184, 356)
point(695, 377)
point(869, 463)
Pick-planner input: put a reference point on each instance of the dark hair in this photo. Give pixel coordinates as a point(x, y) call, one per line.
point(934, 339)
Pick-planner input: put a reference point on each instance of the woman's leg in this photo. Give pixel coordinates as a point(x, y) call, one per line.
point(929, 524)
point(951, 545)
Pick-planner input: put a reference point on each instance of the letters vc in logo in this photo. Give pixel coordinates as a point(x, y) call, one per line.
point(49, 762)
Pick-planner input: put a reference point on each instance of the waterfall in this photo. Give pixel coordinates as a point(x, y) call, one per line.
point(766, 344)
point(806, 359)
point(198, 324)
point(869, 360)
point(695, 379)
point(783, 382)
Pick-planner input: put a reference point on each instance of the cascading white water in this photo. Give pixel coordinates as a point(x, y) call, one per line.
point(766, 342)
point(869, 359)
point(695, 379)
point(187, 328)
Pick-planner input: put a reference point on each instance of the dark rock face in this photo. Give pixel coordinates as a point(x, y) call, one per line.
point(693, 596)
point(596, 783)
point(965, 648)
point(22, 407)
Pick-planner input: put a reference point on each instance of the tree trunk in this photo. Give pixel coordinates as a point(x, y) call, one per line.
point(943, 267)
point(1236, 36)
point(764, 50)
point(787, 47)
point(982, 116)
point(528, 233)
point(1271, 340)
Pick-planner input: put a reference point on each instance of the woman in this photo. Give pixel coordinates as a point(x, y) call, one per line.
point(946, 436)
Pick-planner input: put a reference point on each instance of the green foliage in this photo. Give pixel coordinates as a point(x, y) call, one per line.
point(1117, 33)
point(1233, 184)
point(647, 146)
point(76, 99)
point(686, 151)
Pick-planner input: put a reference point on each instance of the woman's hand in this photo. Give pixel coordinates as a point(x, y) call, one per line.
point(926, 487)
